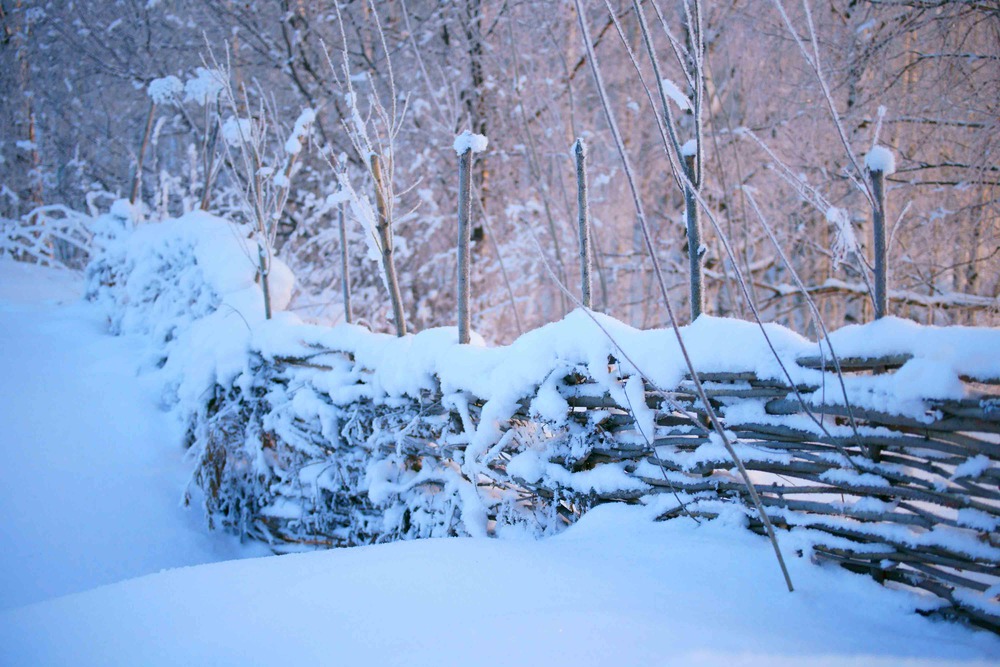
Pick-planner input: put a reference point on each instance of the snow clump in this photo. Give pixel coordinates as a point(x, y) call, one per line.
point(467, 141)
point(845, 241)
point(674, 93)
point(881, 159)
point(165, 90)
point(206, 85)
point(303, 126)
point(237, 131)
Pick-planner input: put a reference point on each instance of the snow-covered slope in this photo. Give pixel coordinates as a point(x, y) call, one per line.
point(91, 477)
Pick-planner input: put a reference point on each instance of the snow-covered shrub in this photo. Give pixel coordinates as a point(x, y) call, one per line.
point(159, 279)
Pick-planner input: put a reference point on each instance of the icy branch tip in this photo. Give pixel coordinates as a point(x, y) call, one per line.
point(579, 148)
point(881, 159)
point(467, 141)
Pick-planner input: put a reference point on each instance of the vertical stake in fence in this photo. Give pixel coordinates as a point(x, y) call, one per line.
point(880, 162)
point(580, 152)
point(384, 229)
point(345, 270)
point(466, 144)
point(464, 239)
point(693, 228)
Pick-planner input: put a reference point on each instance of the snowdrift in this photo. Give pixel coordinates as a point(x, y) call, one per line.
point(614, 589)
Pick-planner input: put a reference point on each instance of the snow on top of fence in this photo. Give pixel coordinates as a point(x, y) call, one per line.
point(967, 351)
point(402, 431)
point(220, 267)
point(189, 284)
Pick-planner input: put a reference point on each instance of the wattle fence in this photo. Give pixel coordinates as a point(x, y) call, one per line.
point(325, 448)
point(310, 437)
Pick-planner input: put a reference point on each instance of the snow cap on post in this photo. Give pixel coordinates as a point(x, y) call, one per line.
point(881, 159)
point(690, 148)
point(467, 141)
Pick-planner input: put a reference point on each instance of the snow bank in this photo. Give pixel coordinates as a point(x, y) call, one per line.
point(615, 589)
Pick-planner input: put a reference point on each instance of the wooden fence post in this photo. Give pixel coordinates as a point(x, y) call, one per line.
point(880, 162)
point(878, 216)
point(264, 266)
point(580, 152)
point(137, 177)
point(693, 234)
point(464, 239)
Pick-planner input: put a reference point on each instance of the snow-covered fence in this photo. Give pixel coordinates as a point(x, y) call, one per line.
point(308, 436)
point(52, 235)
point(342, 437)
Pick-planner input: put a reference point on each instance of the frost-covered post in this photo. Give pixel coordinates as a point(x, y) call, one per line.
point(465, 145)
point(580, 153)
point(345, 269)
point(880, 162)
point(695, 253)
point(384, 229)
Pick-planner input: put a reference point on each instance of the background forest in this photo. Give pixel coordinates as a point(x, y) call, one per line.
point(790, 99)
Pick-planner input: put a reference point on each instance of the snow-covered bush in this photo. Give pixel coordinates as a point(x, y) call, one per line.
point(161, 279)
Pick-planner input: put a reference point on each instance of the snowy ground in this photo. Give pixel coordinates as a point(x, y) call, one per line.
point(89, 491)
point(91, 480)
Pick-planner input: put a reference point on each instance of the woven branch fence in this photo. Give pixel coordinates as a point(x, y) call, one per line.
point(312, 451)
